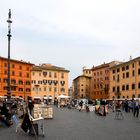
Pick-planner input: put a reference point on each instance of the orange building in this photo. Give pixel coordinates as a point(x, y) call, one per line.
point(125, 80)
point(20, 77)
point(100, 81)
point(49, 81)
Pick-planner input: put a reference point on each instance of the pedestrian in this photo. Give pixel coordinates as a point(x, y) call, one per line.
point(30, 105)
point(136, 109)
point(5, 116)
point(81, 105)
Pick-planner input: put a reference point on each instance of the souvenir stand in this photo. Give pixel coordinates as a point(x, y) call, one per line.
point(43, 110)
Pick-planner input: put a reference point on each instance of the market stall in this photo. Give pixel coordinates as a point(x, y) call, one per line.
point(63, 100)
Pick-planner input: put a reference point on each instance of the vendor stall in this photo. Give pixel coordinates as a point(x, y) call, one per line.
point(63, 100)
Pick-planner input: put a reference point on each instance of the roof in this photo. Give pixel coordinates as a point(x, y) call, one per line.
point(48, 67)
point(125, 63)
point(17, 61)
point(81, 76)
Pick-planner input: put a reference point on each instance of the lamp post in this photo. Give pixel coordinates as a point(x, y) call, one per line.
point(9, 21)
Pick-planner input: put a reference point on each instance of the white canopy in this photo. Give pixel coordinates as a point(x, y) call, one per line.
point(45, 97)
point(63, 96)
point(37, 97)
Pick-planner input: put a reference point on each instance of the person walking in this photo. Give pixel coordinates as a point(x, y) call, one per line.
point(81, 105)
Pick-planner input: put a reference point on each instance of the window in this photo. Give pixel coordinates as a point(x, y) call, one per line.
point(13, 81)
point(20, 89)
point(27, 82)
point(13, 73)
point(133, 73)
point(118, 70)
point(5, 80)
point(20, 67)
point(5, 72)
point(127, 67)
point(13, 88)
point(28, 75)
point(33, 82)
point(62, 75)
point(39, 82)
point(118, 78)
point(113, 89)
point(44, 88)
point(62, 89)
point(133, 86)
point(5, 64)
point(114, 78)
point(55, 75)
point(123, 87)
point(118, 89)
point(127, 87)
point(13, 66)
point(49, 82)
point(40, 74)
point(33, 73)
point(20, 74)
point(133, 65)
point(138, 85)
point(20, 82)
point(55, 89)
point(113, 71)
point(50, 74)
point(127, 74)
point(123, 75)
point(50, 89)
point(5, 88)
point(28, 90)
point(138, 71)
point(28, 68)
point(123, 68)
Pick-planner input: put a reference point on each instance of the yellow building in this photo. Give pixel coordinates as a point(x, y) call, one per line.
point(125, 80)
point(49, 81)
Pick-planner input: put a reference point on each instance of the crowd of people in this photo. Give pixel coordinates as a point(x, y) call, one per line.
point(101, 107)
point(128, 106)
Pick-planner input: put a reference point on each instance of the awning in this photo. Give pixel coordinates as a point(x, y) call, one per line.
point(63, 96)
point(37, 98)
point(50, 97)
point(45, 97)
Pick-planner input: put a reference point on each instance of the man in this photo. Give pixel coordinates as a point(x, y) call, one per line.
point(136, 108)
point(4, 114)
point(81, 105)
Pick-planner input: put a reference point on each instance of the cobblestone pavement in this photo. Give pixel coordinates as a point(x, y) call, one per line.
point(70, 124)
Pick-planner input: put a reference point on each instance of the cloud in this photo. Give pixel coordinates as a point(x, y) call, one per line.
point(71, 33)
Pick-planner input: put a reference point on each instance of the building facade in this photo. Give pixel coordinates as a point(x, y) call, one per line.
point(100, 82)
point(49, 81)
point(125, 80)
point(81, 87)
point(20, 77)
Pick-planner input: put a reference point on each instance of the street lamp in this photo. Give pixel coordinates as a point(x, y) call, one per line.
point(9, 21)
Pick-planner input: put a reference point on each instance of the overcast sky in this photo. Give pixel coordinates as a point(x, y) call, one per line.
point(71, 33)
